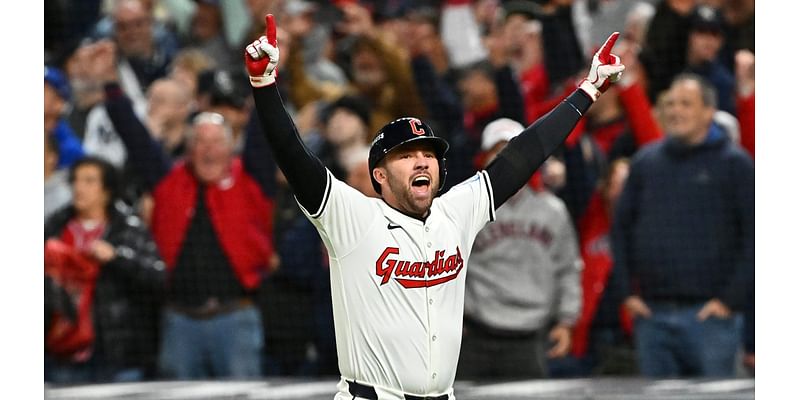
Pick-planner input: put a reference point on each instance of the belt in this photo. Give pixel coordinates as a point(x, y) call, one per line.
point(368, 392)
point(487, 330)
point(212, 308)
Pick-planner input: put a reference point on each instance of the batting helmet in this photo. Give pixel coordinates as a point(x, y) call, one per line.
point(402, 131)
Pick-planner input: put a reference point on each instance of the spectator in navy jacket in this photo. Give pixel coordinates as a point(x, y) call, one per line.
point(683, 240)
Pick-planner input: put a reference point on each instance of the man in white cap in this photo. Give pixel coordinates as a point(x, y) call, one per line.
point(523, 288)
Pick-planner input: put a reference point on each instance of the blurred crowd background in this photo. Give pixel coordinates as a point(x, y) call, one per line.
point(174, 248)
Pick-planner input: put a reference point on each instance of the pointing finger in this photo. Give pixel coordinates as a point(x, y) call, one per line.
point(604, 53)
point(272, 38)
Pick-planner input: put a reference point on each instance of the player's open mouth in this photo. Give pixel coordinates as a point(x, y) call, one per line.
point(420, 184)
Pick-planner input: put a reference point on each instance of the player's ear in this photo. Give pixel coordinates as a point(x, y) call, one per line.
point(379, 174)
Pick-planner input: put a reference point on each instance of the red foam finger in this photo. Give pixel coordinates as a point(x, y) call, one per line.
point(272, 37)
point(604, 53)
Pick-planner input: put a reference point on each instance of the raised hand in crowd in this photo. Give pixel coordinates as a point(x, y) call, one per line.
point(103, 61)
point(745, 62)
point(498, 46)
point(522, 37)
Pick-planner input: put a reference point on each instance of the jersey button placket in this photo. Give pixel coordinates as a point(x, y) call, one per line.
point(430, 255)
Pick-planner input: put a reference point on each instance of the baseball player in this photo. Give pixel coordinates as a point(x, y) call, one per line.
point(398, 263)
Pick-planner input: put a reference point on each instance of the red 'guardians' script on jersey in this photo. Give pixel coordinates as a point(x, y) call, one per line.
point(418, 274)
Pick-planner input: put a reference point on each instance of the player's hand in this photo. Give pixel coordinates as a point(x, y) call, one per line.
point(713, 308)
point(561, 337)
point(637, 308)
point(605, 70)
point(628, 53)
point(261, 56)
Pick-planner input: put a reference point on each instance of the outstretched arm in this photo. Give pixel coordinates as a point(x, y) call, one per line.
point(145, 153)
point(305, 172)
point(525, 153)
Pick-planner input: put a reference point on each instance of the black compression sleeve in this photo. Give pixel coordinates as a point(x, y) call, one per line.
point(305, 172)
point(516, 163)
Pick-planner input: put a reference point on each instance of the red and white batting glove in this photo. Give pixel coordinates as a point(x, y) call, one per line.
point(606, 69)
point(261, 56)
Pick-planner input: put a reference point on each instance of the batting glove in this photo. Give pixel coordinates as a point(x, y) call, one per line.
point(605, 69)
point(261, 56)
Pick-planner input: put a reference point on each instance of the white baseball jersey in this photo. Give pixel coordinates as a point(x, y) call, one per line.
point(397, 285)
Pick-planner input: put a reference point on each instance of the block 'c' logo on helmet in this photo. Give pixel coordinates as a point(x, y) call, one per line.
point(416, 127)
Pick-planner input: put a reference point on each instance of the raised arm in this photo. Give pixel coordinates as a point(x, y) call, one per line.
point(305, 172)
point(145, 153)
point(525, 153)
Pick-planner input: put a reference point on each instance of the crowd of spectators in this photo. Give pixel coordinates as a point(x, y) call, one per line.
point(174, 248)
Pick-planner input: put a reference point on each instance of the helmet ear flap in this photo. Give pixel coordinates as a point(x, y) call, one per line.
point(442, 172)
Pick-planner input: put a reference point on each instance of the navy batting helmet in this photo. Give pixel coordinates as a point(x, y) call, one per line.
point(402, 131)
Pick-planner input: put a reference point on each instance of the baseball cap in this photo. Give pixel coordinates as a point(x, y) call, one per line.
point(706, 19)
point(499, 130)
point(55, 78)
point(224, 87)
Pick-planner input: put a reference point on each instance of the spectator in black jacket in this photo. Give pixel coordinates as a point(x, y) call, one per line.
point(664, 51)
point(683, 234)
point(706, 38)
point(129, 281)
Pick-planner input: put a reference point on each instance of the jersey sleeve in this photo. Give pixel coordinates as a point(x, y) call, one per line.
point(470, 204)
point(343, 217)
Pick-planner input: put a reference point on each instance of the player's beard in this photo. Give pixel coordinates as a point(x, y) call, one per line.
point(407, 202)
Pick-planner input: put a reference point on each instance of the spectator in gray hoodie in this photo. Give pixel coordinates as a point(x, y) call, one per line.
point(523, 289)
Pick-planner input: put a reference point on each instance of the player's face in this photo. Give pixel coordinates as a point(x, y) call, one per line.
point(409, 178)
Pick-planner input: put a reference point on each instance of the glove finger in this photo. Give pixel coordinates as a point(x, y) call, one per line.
point(272, 37)
point(606, 70)
point(257, 47)
point(252, 52)
point(605, 50)
point(615, 69)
